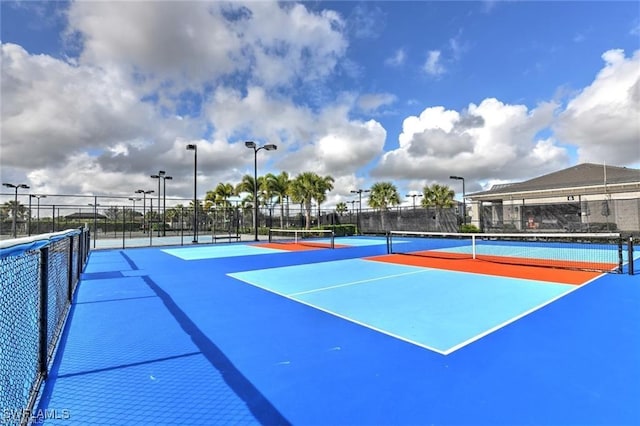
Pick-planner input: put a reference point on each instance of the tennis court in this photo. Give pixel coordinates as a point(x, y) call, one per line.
point(248, 334)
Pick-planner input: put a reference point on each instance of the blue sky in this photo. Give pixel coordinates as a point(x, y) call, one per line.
point(103, 94)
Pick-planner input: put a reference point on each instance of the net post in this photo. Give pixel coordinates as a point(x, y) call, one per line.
point(333, 234)
point(473, 246)
point(270, 235)
point(388, 242)
point(70, 271)
point(630, 254)
point(620, 255)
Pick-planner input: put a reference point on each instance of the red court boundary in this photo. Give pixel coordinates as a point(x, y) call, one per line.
point(478, 266)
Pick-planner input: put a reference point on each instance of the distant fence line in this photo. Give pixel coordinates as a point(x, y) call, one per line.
point(119, 217)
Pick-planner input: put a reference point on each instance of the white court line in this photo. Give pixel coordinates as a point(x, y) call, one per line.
point(517, 317)
point(346, 318)
point(405, 339)
point(331, 287)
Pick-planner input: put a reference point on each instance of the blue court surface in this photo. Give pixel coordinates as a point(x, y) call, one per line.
point(238, 334)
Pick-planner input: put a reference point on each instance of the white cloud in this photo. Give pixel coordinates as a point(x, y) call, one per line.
point(57, 109)
point(485, 140)
point(190, 43)
point(327, 141)
point(433, 66)
point(370, 102)
point(398, 58)
point(166, 39)
point(602, 120)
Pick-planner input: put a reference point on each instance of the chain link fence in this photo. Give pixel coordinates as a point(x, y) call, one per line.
point(38, 278)
point(577, 214)
point(140, 221)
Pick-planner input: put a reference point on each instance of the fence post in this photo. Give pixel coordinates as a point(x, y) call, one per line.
point(43, 320)
point(70, 270)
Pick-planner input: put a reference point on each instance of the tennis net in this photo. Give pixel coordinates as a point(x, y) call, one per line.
point(601, 252)
point(320, 238)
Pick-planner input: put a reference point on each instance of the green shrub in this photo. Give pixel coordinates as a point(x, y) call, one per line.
point(469, 228)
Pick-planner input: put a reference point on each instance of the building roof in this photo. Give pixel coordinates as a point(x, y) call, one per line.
point(580, 176)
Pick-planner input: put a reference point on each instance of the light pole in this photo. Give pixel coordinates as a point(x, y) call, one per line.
point(256, 148)
point(159, 176)
point(38, 198)
point(464, 204)
point(359, 192)
point(133, 212)
point(414, 198)
point(193, 147)
point(15, 202)
point(144, 205)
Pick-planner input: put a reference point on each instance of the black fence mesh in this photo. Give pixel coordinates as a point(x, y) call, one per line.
point(58, 287)
point(577, 214)
point(36, 279)
point(19, 340)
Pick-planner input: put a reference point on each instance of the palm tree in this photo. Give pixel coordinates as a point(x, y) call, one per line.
point(302, 190)
point(341, 208)
point(246, 185)
point(18, 209)
point(279, 186)
point(173, 213)
point(383, 195)
point(438, 196)
point(323, 184)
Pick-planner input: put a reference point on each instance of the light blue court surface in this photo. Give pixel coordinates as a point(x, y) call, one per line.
point(435, 309)
point(212, 252)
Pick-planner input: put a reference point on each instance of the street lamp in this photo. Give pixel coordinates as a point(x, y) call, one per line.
point(38, 198)
point(193, 147)
point(256, 148)
point(159, 176)
point(15, 202)
point(414, 198)
point(464, 204)
point(144, 205)
point(359, 192)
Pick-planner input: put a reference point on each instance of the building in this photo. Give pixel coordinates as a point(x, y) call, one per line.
point(586, 197)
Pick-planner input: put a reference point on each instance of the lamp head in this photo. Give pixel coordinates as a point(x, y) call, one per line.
point(155, 177)
point(456, 177)
point(168, 178)
point(9, 185)
point(250, 144)
point(192, 147)
point(271, 147)
point(161, 173)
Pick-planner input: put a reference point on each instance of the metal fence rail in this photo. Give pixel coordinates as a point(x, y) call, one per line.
point(38, 277)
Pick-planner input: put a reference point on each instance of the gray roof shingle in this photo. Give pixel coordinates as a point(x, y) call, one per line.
point(585, 174)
